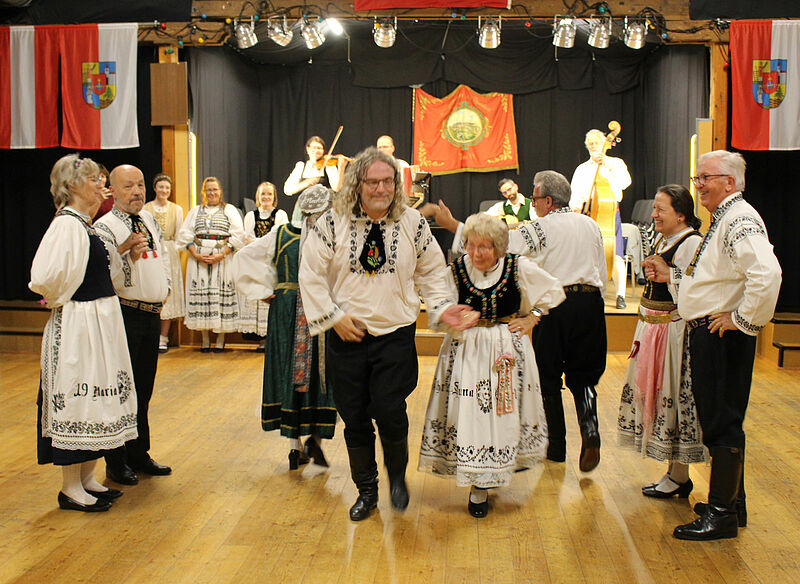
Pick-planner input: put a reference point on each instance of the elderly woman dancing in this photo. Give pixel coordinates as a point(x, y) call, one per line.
point(657, 415)
point(485, 418)
point(87, 400)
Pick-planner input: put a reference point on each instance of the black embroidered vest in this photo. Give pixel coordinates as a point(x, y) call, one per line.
point(263, 226)
point(502, 299)
point(656, 295)
point(97, 278)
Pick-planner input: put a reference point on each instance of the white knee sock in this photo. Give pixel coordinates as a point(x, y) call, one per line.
point(71, 484)
point(220, 340)
point(478, 495)
point(206, 339)
point(294, 443)
point(678, 472)
point(88, 479)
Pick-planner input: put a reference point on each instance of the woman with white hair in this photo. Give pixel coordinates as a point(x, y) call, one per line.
point(297, 400)
point(485, 418)
point(87, 400)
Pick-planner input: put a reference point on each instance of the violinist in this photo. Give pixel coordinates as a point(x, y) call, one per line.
point(583, 181)
point(312, 171)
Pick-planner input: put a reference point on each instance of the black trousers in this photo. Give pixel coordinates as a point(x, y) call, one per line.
point(371, 380)
point(722, 371)
point(142, 330)
point(571, 341)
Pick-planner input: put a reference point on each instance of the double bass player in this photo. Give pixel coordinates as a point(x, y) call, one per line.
point(600, 175)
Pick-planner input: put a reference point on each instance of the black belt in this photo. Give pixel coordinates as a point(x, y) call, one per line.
point(154, 307)
point(698, 322)
point(585, 288)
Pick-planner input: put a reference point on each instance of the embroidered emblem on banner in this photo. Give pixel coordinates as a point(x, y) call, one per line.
point(99, 83)
point(466, 126)
point(769, 82)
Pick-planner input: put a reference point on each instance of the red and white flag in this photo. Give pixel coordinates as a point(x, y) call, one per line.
point(98, 86)
point(28, 86)
point(765, 84)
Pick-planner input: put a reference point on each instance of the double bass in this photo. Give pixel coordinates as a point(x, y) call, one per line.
point(602, 204)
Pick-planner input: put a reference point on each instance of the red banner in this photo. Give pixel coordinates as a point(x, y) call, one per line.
point(465, 131)
point(388, 4)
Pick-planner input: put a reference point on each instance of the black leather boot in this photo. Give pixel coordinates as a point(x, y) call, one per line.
point(741, 504)
point(395, 457)
point(719, 521)
point(556, 429)
point(364, 472)
point(586, 408)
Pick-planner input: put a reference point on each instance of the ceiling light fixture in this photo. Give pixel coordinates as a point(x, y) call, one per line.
point(246, 34)
point(564, 30)
point(311, 33)
point(385, 32)
point(489, 32)
point(635, 33)
point(599, 32)
point(279, 32)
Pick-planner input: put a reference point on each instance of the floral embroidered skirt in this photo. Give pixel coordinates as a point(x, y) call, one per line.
point(485, 418)
point(88, 398)
point(672, 430)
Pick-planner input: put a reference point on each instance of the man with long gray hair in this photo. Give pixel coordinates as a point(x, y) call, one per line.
point(361, 268)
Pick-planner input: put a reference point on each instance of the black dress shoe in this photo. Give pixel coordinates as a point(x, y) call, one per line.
point(478, 510)
point(741, 511)
point(123, 475)
point(219, 349)
point(205, 349)
point(621, 302)
point(682, 490)
point(366, 502)
point(66, 502)
point(108, 495)
point(151, 467)
point(715, 523)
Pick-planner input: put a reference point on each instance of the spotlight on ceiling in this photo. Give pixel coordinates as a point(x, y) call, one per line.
point(385, 32)
point(564, 30)
point(246, 34)
point(489, 32)
point(311, 33)
point(599, 32)
point(279, 32)
point(334, 26)
point(635, 33)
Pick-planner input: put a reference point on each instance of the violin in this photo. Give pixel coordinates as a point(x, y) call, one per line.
point(332, 159)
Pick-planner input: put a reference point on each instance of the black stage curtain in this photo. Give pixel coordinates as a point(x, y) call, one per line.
point(26, 206)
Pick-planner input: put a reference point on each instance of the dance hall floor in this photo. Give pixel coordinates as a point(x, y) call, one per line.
point(233, 512)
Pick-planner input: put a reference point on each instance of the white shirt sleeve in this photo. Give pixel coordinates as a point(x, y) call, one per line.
point(253, 268)
point(185, 234)
point(315, 289)
point(290, 187)
point(250, 226)
point(60, 262)
point(237, 239)
point(539, 289)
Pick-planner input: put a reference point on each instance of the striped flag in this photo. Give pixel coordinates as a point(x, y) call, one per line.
point(28, 86)
point(98, 86)
point(765, 84)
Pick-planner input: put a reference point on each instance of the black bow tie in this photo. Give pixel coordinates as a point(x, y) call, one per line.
point(373, 254)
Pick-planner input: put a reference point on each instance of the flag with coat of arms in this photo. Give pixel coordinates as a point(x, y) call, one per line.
point(98, 86)
point(765, 84)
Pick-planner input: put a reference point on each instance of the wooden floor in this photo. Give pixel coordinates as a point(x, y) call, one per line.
point(232, 512)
